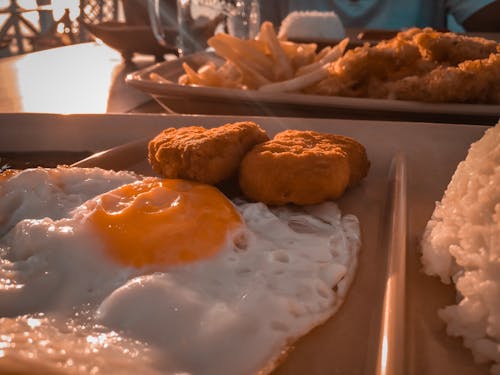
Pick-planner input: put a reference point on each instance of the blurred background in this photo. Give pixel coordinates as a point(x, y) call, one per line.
point(33, 25)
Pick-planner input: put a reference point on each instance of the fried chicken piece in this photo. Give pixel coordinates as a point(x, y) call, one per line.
point(330, 86)
point(302, 167)
point(417, 64)
point(409, 33)
point(380, 61)
point(360, 72)
point(474, 81)
point(205, 155)
point(451, 48)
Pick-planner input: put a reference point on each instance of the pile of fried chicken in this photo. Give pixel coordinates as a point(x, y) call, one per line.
point(418, 64)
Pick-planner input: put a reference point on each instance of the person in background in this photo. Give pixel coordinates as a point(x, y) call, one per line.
point(454, 15)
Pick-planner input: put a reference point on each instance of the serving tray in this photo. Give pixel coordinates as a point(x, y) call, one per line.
point(388, 322)
point(215, 100)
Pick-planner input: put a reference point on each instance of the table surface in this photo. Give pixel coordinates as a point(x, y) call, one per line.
point(81, 78)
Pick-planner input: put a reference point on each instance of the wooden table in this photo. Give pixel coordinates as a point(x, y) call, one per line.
point(82, 78)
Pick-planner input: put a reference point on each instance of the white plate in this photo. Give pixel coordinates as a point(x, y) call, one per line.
point(349, 343)
point(214, 100)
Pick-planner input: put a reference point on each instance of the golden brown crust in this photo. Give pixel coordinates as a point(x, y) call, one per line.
point(356, 156)
point(453, 48)
point(417, 64)
point(302, 167)
point(471, 81)
point(205, 155)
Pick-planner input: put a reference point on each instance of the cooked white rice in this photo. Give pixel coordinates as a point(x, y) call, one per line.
point(461, 244)
point(312, 25)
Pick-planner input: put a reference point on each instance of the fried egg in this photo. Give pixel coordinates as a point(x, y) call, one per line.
point(42, 192)
point(168, 276)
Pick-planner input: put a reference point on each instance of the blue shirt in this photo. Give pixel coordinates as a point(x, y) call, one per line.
point(386, 14)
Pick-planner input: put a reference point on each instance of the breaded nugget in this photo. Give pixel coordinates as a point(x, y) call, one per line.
point(356, 155)
point(302, 167)
point(205, 155)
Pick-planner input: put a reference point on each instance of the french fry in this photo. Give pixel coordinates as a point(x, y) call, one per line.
point(332, 55)
point(183, 80)
point(282, 66)
point(236, 50)
point(228, 75)
point(251, 50)
point(209, 74)
point(230, 54)
point(251, 78)
point(231, 74)
point(191, 74)
point(322, 53)
point(158, 78)
point(297, 83)
point(266, 63)
point(299, 53)
point(255, 78)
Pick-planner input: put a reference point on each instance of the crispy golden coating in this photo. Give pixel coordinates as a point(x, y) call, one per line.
point(269, 64)
point(302, 167)
point(417, 64)
point(205, 155)
point(451, 48)
point(356, 156)
point(362, 71)
point(8, 173)
point(471, 81)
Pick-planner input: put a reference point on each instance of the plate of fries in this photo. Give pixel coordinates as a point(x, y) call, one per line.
point(274, 76)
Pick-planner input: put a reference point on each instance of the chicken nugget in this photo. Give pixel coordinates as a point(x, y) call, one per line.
point(204, 155)
point(356, 155)
point(302, 167)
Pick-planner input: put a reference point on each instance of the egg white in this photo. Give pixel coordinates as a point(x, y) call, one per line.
point(233, 313)
point(42, 192)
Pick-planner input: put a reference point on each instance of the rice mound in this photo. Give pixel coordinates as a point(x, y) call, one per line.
point(311, 25)
point(461, 243)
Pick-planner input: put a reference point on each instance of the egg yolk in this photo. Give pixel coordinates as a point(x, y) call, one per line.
point(163, 222)
point(8, 173)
